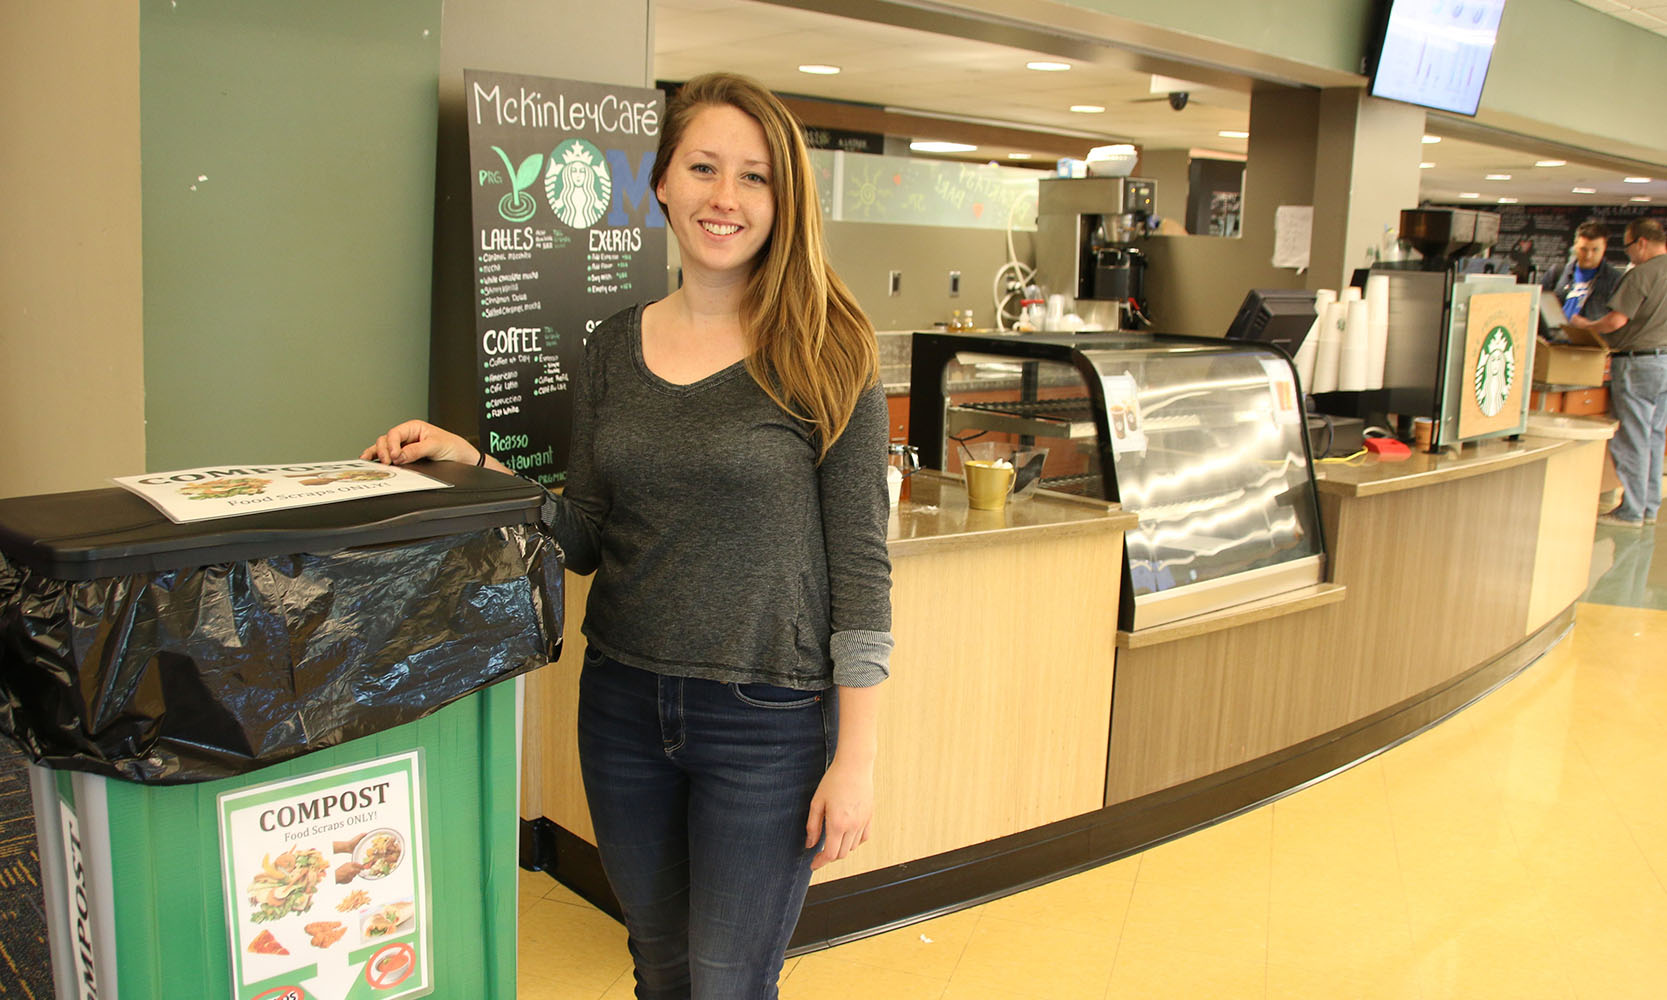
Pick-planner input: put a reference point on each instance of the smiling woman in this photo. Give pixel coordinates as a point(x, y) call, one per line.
point(726, 486)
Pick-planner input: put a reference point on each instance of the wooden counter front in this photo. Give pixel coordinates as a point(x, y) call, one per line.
point(994, 720)
point(1446, 560)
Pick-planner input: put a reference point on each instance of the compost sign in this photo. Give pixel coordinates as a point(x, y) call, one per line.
point(566, 232)
point(327, 891)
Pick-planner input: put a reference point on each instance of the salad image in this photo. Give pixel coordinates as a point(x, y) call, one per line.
point(379, 853)
point(286, 885)
point(345, 476)
point(214, 489)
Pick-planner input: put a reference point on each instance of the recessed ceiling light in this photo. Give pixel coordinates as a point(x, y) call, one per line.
point(1584, 190)
point(1431, 140)
point(1426, 165)
point(1233, 133)
point(934, 146)
point(1497, 177)
point(1551, 163)
point(1469, 194)
point(1018, 156)
point(1637, 180)
point(1043, 66)
point(817, 69)
point(1641, 198)
point(1087, 109)
point(1507, 201)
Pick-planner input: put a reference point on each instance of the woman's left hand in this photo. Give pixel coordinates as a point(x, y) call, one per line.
point(842, 808)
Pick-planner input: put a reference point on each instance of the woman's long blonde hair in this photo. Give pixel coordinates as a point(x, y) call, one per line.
point(812, 349)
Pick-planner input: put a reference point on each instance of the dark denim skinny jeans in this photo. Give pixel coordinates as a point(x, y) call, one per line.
point(699, 792)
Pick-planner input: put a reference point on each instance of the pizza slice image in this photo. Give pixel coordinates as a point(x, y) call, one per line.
point(265, 944)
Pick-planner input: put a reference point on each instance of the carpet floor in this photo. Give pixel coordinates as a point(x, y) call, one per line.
point(25, 962)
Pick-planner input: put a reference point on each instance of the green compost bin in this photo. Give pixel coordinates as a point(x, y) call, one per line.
point(272, 757)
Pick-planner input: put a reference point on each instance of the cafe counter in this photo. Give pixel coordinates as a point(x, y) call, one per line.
point(1024, 736)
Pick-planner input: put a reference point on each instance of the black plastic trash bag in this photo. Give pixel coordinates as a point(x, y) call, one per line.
point(200, 673)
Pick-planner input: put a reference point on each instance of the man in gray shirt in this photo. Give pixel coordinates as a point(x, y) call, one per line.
point(1636, 327)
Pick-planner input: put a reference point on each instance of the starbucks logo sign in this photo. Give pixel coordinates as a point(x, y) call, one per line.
point(1496, 371)
point(578, 184)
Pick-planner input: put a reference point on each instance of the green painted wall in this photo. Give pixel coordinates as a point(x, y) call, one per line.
point(1533, 85)
point(1552, 58)
point(1328, 33)
point(288, 184)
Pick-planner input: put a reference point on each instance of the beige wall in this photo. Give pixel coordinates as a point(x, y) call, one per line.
point(1171, 169)
point(1195, 283)
point(864, 252)
point(71, 347)
point(1365, 172)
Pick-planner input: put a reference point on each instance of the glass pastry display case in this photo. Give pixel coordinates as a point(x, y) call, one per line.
point(1203, 439)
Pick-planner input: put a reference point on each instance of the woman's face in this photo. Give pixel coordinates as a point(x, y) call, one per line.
point(717, 192)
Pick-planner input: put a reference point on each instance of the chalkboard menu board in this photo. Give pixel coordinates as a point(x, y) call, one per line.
point(1544, 234)
point(566, 232)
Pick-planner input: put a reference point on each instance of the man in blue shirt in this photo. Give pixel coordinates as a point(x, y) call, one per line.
point(1585, 283)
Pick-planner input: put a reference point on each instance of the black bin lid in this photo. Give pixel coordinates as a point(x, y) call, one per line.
point(89, 534)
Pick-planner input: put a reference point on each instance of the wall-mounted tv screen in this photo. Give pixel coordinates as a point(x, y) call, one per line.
point(1435, 53)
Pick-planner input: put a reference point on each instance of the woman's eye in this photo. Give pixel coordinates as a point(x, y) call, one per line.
point(758, 178)
point(701, 168)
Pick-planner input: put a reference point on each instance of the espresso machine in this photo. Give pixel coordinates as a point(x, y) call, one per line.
point(1087, 231)
point(1428, 297)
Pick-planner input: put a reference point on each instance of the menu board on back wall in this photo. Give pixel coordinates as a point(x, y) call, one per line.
point(566, 232)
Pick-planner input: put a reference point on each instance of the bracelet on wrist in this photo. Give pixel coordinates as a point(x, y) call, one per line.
point(480, 463)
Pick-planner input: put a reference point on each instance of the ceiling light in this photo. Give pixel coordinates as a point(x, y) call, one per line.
point(1507, 201)
point(1469, 194)
point(1431, 140)
point(1641, 198)
point(1087, 109)
point(1637, 180)
point(1426, 165)
point(1551, 163)
point(1584, 190)
point(1497, 177)
point(1233, 133)
point(817, 69)
point(1043, 66)
point(934, 146)
point(1018, 156)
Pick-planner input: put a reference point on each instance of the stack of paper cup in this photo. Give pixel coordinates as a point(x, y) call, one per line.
point(1311, 343)
point(1352, 363)
point(1327, 355)
point(1350, 294)
point(1377, 329)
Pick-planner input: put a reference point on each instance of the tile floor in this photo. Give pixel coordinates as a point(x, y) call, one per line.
point(1518, 850)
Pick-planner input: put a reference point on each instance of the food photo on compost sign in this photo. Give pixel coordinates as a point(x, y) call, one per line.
point(566, 232)
point(327, 893)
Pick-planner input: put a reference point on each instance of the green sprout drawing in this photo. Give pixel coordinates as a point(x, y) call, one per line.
point(518, 205)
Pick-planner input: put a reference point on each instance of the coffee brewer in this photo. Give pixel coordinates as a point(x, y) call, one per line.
point(1086, 234)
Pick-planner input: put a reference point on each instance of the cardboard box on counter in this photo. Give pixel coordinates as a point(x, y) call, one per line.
point(1568, 364)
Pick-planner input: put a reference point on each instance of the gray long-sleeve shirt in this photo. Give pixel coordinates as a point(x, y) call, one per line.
point(722, 550)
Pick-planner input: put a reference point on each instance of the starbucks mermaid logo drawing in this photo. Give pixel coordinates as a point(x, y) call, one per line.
point(578, 184)
point(1495, 372)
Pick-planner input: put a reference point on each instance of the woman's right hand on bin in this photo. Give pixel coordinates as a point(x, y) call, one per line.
point(416, 440)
